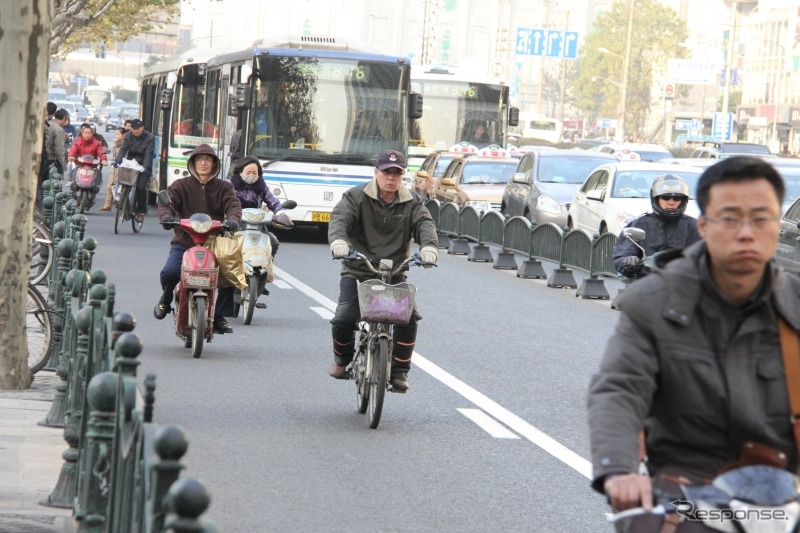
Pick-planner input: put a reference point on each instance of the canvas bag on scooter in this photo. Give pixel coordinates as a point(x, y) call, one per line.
point(228, 251)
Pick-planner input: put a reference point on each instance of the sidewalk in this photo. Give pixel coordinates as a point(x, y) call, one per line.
point(30, 460)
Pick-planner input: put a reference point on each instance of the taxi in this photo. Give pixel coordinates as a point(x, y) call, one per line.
point(477, 179)
point(430, 171)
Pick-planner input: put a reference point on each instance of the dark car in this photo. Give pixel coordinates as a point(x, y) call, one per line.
point(545, 181)
point(113, 120)
point(787, 253)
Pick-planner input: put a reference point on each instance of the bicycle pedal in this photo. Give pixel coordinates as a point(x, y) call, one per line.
point(397, 391)
point(260, 305)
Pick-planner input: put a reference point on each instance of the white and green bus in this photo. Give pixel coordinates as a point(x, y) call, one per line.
point(454, 105)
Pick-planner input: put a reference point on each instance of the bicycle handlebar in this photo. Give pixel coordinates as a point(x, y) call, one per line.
point(413, 260)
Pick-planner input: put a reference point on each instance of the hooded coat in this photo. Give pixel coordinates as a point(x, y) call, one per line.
point(188, 196)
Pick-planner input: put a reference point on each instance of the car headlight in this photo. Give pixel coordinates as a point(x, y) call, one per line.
point(548, 205)
point(478, 204)
point(623, 219)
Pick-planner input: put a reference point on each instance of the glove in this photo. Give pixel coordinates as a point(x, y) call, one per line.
point(115, 164)
point(169, 222)
point(230, 225)
point(429, 255)
point(282, 219)
point(632, 262)
point(340, 248)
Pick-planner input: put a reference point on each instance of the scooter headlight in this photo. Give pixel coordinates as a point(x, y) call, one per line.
point(201, 223)
point(253, 216)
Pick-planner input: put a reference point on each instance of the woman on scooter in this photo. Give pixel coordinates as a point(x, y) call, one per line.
point(87, 144)
point(251, 190)
point(200, 192)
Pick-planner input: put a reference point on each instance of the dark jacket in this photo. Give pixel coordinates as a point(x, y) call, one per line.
point(141, 148)
point(188, 196)
point(660, 234)
point(377, 230)
point(252, 195)
point(699, 375)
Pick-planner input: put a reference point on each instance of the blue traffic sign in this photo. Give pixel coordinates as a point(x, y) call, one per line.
point(547, 43)
point(722, 127)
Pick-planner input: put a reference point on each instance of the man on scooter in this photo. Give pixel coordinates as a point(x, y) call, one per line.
point(201, 192)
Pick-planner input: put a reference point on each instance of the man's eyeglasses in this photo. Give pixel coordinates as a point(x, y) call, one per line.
point(667, 197)
point(732, 223)
point(393, 171)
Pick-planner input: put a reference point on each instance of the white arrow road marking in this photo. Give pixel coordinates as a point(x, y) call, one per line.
point(530, 432)
point(489, 424)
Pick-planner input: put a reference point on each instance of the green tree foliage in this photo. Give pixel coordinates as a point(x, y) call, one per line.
point(657, 30)
point(109, 21)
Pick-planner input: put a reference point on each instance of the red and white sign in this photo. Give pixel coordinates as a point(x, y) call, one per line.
point(669, 90)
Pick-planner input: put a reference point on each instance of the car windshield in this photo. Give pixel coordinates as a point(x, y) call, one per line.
point(652, 156)
point(487, 172)
point(441, 165)
point(637, 183)
point(567, 168)
point(744, 148)
point(791, 179)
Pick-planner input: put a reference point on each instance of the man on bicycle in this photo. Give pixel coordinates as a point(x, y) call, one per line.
point(378, 219)
point(139, 144)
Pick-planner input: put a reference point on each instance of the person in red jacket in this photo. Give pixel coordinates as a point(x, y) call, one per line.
point(87, 144)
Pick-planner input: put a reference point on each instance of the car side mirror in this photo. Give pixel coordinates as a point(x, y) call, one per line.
point(423, 174)
point(447, 182)
point(595, 194)
point(520, 177)
point(513, 116)
point(414, 105)
point(289, 204)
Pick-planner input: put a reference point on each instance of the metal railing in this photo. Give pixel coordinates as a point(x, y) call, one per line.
point(121, 470)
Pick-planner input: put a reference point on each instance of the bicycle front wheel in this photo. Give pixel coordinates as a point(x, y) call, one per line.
point(122, 207)
point(377, 365)
point(38, 330)
point(41, 254)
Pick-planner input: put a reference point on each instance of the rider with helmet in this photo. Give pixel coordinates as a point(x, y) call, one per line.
point(666, 228)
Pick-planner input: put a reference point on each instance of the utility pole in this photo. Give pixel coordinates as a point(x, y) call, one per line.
point(563, 79)
point(542, 60)
point(726, 88)
point(619, 133)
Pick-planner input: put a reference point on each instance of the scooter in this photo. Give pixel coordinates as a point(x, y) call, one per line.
point(195, 293)
point(257, 255)
point(84, 173)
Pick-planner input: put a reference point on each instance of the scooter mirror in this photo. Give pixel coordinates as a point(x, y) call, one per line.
point(163, 199)
point(289, 204)
point(637, 235)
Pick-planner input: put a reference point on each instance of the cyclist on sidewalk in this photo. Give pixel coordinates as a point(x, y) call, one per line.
point(378, 219)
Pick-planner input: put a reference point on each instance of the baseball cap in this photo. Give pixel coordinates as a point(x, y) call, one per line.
point(136, 123)
point(391, 159)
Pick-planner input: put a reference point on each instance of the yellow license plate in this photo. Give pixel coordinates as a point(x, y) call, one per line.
point(317, 216)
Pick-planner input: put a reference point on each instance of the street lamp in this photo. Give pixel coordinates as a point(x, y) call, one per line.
point(619, 133)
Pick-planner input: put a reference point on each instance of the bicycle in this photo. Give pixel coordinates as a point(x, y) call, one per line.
point(382, 305)
point(39, 330)
point(126, 179)
point(42, 253)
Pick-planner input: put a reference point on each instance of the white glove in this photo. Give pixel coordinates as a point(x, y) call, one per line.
point(340, 248)
point(429, 254)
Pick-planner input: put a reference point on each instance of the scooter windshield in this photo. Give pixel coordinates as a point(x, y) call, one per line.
point(201, 222)
point(759, 484)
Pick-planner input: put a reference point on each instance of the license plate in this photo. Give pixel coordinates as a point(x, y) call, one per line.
point(317, 216)
point(199, 282)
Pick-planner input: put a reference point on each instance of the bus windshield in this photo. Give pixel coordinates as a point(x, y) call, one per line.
point(455, 111)
point(326, 109)
point(94, 97)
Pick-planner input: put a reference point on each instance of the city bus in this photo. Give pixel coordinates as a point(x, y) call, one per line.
point(95, 96)
point(299, 103)
point(175, 120)
point(454, 105)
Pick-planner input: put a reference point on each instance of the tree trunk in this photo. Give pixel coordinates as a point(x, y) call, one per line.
point(24, 58)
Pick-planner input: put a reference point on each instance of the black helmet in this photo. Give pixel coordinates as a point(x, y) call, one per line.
point(669, 184)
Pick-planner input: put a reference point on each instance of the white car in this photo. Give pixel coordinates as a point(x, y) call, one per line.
point(617, 193)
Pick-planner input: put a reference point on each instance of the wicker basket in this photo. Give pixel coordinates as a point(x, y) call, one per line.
point(381, 302)
point(199, 278)
point(127, 176)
